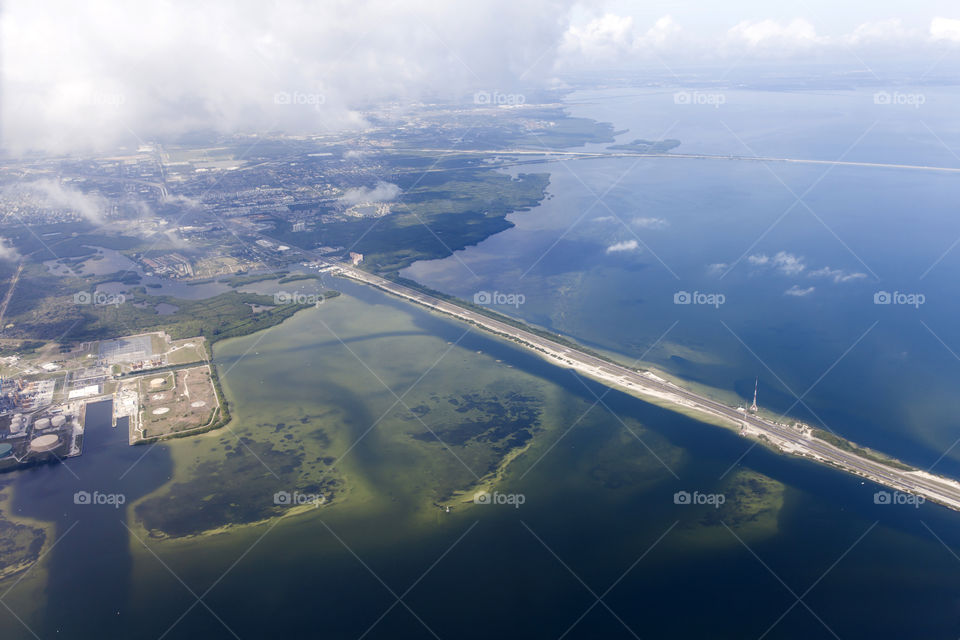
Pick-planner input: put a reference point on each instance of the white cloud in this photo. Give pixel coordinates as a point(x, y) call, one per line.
point(650, 223)
point(55, 195)
point(788, 263)
point(628, 245)
point(798, 292)
point(945, 29)
point(782, 261)
point(184, 201)
point(605, 38)
point(611, 39)
point(382, 192)
point(663, 30)
point(773, 35)
point(174, 240)
point(791, 265)
point(837, 275)
point(717, 268)
point(84, 75)
point(883, 31)
point(8, 252)
point(614, 39)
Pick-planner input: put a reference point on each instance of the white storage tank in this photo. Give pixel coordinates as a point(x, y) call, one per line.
point(45, 443)
point(58, 421)
point(42, 423)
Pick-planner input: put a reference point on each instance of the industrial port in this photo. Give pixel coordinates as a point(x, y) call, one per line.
point(34, 430)
point(163, 386)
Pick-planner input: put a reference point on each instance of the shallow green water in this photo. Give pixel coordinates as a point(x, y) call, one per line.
point(598, 493)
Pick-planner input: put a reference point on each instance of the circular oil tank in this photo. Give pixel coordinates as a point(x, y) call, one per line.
point(44, 443)
point(42, 423)
point(58, 421)
point(6, 450)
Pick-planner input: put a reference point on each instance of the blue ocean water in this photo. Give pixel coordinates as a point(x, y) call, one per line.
point(798, 252)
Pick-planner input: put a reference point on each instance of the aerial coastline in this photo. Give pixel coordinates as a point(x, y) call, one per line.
point(793, 438)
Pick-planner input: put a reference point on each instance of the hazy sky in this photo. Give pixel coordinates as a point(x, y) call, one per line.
point(831, 17)
point(93, 74)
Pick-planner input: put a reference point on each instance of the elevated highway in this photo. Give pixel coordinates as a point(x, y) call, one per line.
point(796, 440)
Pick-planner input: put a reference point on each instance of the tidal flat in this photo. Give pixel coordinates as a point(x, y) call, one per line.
point(356, 404)
point(360, 407)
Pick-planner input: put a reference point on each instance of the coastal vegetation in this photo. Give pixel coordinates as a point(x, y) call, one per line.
point(20, 543)
point(226, 315)
point(647, 146)
point(437, 214)
point(241, 280)
point(863, 452)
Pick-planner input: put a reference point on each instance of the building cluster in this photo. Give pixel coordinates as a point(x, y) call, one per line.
point(368, 210)
point(32, 428)
point(170, 265)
